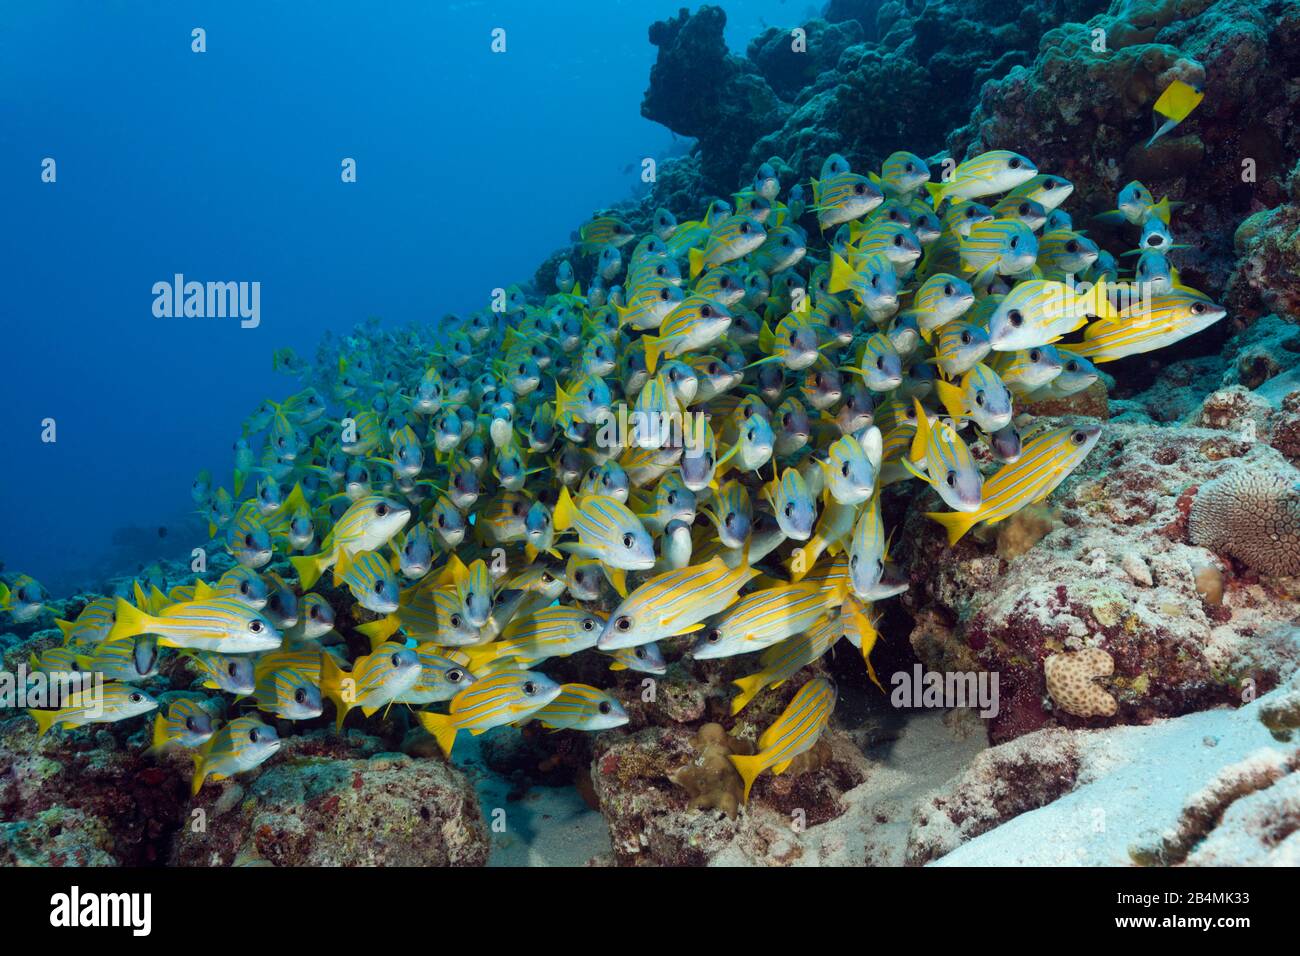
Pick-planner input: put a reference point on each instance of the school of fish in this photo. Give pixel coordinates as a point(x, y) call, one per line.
point(698, 442)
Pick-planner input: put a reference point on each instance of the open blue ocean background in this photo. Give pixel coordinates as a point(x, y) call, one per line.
point(225, 166)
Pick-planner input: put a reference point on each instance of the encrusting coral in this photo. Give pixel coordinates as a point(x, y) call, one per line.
point(711, 779)
point(1252, 515)
point(1070, 681)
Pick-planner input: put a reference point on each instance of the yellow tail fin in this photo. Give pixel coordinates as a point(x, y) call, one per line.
point(1099, 304)
point(196, 782)
point(654, 346)
point(842, 274)
point(956, 523)
point(749, 768)
point(697, 261)
point(749, 688)
point(443, 728)
point(159, 734)
point(331, 686)
point(129, 620)
point(564, 511)
point(921, 440)
point(951, 396)
point(380, 630)
point(309, 567)
point(45, 719)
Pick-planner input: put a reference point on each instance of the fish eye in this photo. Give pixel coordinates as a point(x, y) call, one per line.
point(623, 623)
point(248, 540)
point(844, 469)
point(136, 698)
point(530, 688)
point(713, 636)
point(588, 624)
point(189, 724)
point(952, 479)
point(663, 294)
point(789, 511)
point(1013, 163)
point(442, 521)
point(706, 311)
point(948, 289)
point(232, 669)
point(853, 561)
point(1024, 209)
point(256, 626)
point(1015, 241)
point(1197, 308)
point(628, 541)
point(456, 620)
point(744, 228)
point(455, 675)
point(1078, 438)
point(708, 458)
point(603, 707)
point(898, 239)
point(1034, 355)
point(713, 368)
point(1072, 366)
point(243, 588)
point(252, 735)
point(381, 510)
point(979, 398)
point(1015, 318)
point(880, 362)
point(909, 167)
point(1071, 246)
point(965, 337)
point(875, 282)
point(300, 696)
point(396, 660)
point(379, 587)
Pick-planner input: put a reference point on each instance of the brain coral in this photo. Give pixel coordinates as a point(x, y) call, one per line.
point(1253, 516)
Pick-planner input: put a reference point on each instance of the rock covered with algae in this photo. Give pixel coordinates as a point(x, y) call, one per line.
point(1122, 521)
point(326, 808)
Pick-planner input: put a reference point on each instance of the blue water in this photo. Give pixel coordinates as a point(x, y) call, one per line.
point(225, 166)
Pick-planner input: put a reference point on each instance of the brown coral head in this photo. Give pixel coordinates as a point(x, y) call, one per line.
point(1253, 515)
point(1070, 682)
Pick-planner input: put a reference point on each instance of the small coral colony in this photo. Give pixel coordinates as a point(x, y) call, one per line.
point(697, 443)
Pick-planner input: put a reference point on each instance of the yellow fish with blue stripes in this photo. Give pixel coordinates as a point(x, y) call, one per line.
point(797, 730)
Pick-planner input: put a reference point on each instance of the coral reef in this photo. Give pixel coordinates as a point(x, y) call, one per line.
point(711, 779)
point(331, 809)
point(868, 77)
point(974, 610)
point(1085, 104)
point(1252, 515)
